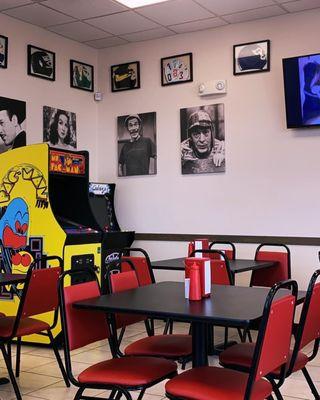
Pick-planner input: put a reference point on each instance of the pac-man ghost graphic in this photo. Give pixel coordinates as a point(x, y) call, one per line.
point(14, 225)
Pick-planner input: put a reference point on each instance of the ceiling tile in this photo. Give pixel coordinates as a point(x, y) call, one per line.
point(198, 25)
point(175, 12)
point(295, 6)
point(79, 31)
point(122, 23)
point(82, 9)
point(220, 7)
point(38, 15)
point(148, 35)
point(107, 42)
point(4, 4)
point(251, 15)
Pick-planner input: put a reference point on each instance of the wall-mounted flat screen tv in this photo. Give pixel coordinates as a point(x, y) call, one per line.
point(302, 90)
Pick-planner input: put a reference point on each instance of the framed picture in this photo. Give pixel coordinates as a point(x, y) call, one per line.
point(41, 63)
point(125, 76)
point(176, 69)
point(3, 51)
point(251, 57)
point(81, 76)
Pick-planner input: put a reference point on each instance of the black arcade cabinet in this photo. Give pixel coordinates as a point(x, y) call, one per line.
point(101, 198)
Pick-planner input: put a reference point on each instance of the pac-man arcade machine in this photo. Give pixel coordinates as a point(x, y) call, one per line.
point(43, 211)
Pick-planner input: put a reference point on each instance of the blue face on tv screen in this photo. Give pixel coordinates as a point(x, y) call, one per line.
point(302, 90)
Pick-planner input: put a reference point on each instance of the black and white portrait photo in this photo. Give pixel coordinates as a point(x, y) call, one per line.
point(12, 124)
point(41, 63)
point(3, 51)
point(59, 128)
point(202, 139)
point(137, 151)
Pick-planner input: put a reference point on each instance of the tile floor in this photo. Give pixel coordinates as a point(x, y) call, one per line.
point(40, 377)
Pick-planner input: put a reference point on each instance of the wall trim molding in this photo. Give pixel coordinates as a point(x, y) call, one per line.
point(181, 237)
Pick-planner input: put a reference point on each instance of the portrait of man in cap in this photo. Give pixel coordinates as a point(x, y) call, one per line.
point(202, 139)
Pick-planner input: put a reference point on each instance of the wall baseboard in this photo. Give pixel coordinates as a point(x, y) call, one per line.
point(180, 237)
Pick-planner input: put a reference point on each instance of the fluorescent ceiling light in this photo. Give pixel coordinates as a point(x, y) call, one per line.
point(139, 3)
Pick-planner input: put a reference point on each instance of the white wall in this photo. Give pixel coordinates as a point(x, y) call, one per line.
point(271, 186)
point(17, 84)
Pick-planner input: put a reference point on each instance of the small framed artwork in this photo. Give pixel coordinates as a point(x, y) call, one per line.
point(81, 75)
point(125, 76)
point(41, 63)
point(251, 57)
point(176, 69)
point(3, 51)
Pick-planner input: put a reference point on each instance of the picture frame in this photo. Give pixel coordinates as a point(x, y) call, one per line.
point(41, 63)
point(125, 76)
point(252, 57)
point(3, 51)
point(81, 76)
point(176, 69)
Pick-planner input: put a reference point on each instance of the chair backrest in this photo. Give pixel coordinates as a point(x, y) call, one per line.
point(40, 291)
point(230, 252)
point(141, 263)
point(80, 327)
point(220, 268)
point(280, 271)
point(123, 281)
point(273, 342)
point(141, 267)
point(309, 324)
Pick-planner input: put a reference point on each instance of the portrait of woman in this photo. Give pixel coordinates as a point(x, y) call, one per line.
point(59, 128)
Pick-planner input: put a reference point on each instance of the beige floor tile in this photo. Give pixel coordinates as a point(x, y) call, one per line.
point(28, 383)
point(58, 391)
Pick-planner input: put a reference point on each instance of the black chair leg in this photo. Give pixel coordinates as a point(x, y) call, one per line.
point(270, 397)
point(121, 335)
point(310, 383)
point(141, 394)
point(60, 363)
point(8, 362)
point(166, 328)
point(277, 392)
point(9, 352)
point(18, 357)
point(79, 394)
point(149, 328)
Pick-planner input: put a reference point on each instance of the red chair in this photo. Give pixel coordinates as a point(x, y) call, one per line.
point(271, 352)
point(174, 346)
point(82, 327)
point(40, 295)
point(229, 252)
point(267, 277)
point(240, 356)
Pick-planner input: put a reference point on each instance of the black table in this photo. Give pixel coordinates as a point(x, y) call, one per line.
point(236, 266)
point(10, 279)
point(234, 306)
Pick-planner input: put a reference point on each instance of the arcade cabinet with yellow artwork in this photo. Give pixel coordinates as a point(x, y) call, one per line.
point(44, 211)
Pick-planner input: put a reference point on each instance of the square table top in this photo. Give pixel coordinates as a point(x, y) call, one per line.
point(227, 305)
point(236, 266)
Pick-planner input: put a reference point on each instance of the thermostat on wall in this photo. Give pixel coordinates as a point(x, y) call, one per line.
point(98, 96)
point(212, 87)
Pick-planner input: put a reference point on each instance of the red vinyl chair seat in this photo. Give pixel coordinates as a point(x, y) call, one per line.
point(214, 383)
point(241, 355)
point(127, 371)
point(167, 346)
point(27, 326)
